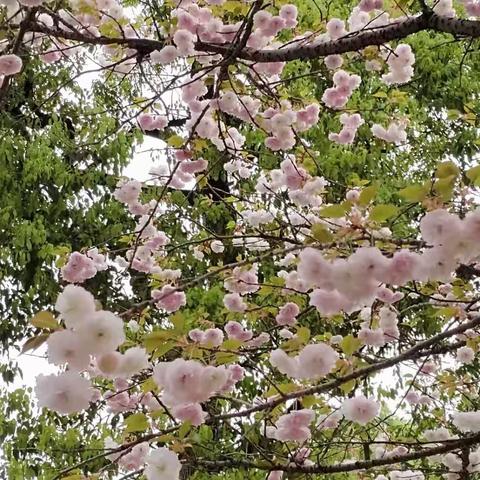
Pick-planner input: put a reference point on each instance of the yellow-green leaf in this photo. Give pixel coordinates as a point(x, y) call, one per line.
point(447, 169)
point(34, 342)
point(175, 141)
point(44, 320)
point(223, 358)
point(137, 422)
point(473, 174)
point(350, 344)
point(380, 213)
point(334, 211)
point(321, 233)
point(367, 195)
point(414, 193)
point(184, 430)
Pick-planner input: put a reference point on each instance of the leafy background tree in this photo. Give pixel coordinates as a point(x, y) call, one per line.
point(62, 152)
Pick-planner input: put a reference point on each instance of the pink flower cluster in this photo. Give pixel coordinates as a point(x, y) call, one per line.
point(313, 362)
point(169, 298)
point(121, 400)
point(211, 336)
point(303, 189)
point(400, 63)
point(349, 284)
point(234, 302)
point(292, 427)
point(89, 332)
point(395, 133)
point(472, 7)
point(187, 383)
point(10, 64)
point(243, 280)
point(281, 124)
point(370, 5)
point(287, 314)
point(236, 331)
point(133, 460)
point(149, 122)
point(81, 267)
point(350, 123)
point(344, 84)
point(360, 409)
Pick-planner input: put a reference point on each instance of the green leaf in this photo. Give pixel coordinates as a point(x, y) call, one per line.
point(34, 342)
point(350, 345)
point(223, 358)
point(447, 169)
point(175, 141)
point(158, 338)
point(473, 174)
point(367, 195)
point(184, 430)
point(44, 320)
point(149, 385)
point(380, 213)
point(334, 211)
point(347, 386)
point(179, 323)
point(303, 333)
point(414, 193)
point(137, 422)
point(321, 233)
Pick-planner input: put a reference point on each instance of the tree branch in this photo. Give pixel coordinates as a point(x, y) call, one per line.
point(352, 42)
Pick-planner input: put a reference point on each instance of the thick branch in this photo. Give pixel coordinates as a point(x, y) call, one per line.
point(352, 42)
point(410, 354)
point(350, 466)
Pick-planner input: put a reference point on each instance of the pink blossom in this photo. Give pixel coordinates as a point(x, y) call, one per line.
point(192, 413)
point(284, 363)
point(165, 56)
point(440, 227)
point(313, 268)
point(336, 28)
point(109, 363)
point(169, 298)
point(287, 314)
point(373, 337)
point(102, 332)
point(332, 62)
point(369, 5)
point(236, 331)
point(185, 42)
point(65, 393)
point(129, 191)
point(402, 267)
point(412, 397)
point(275, 475)
point(329, 302)
point(65, 346)
point(10, 64)
point(316, 361)
point(75, 305)
point(188, 381)
point(292, 427)
point(162, 464)
point(465, 355)
point(360, 409)
point(234, 302)
point(135, 458)
point(78, 268)
point(242, 281)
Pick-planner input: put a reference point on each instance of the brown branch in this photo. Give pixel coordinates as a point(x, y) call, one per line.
point(350, 466)
point(352, 42)
point(415, 352)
